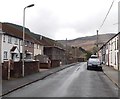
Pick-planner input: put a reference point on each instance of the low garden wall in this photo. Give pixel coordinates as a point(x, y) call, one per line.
point(55, 63)
point(44, 65)
point(16, 69)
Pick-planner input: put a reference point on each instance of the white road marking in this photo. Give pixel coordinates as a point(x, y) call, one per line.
point(62, 91)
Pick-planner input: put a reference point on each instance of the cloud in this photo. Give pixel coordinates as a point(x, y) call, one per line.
point(46, 23)
point(62, 18)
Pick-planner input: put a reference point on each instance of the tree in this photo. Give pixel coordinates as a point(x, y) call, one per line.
point(88, 55)
point(95, 50)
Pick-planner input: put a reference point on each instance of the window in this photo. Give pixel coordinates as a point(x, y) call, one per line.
point(115, 58)
point(115, 45)
point(26, 43)
point(40, 52)
point(3, 38)
point(37, 46)
point(21, 42)
point(16, 41)
point(30, 44)
point(5, 55)
point(10, 39)
point(111, 46)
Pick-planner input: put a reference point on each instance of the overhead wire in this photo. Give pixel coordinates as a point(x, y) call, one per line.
point(106, 15)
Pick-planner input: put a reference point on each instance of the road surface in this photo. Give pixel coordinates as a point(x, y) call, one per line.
point(75, 81)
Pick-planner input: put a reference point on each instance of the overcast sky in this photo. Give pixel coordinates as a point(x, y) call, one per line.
point(61, 19)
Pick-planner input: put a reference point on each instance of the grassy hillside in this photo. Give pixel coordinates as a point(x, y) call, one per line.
point(88, 42)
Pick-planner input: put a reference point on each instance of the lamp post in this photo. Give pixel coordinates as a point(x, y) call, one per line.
point(23, 48)
point(66, 52)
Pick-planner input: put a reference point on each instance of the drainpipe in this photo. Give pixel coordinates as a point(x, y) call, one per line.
point(108, 54)
point(119, 51)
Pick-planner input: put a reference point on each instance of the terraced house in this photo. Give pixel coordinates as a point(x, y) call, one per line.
point(109, 53)
point(11, 44)
point(54, 50)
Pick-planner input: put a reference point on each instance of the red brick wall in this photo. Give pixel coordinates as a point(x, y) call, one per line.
point(29, 68)
point(16, 71)
point(45, 65)
point(55, 63)
point(0, 25)
point(5, 71)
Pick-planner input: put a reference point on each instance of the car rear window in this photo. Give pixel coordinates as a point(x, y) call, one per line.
point(94, 56)
point(94, 60)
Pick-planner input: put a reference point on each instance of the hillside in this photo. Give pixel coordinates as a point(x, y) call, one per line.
point(87, 42)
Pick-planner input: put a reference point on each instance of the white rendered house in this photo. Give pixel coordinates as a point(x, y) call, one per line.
point(110, 52)
point(10, 47)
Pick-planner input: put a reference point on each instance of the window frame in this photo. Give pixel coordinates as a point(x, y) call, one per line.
point(10, 39)
point(4, 38)
point(16, 41)
point(5, 55)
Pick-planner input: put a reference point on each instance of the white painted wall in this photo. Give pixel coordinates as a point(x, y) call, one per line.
point(106, 56)
point(38, 49)
point(7, 47)
point(113, 51)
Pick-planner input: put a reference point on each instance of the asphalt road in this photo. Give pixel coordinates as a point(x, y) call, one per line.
point(74, 81)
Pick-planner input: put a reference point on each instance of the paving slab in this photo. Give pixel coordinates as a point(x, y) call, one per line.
point(112, 74)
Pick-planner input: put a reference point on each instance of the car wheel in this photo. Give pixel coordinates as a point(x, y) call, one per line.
point(88, 68)
point(100, 69)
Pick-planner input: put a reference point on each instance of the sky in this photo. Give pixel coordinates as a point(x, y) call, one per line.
point(61, 19)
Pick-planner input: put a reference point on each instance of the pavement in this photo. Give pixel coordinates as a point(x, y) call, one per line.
point(13, 84)
point(112, 74)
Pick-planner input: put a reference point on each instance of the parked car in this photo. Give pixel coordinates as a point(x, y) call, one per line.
point(94, 63)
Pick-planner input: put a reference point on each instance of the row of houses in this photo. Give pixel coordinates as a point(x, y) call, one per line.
point(11, 44)
point(109, 53)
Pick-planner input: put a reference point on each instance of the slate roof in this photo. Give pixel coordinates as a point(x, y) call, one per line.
point(16, 31)
point(12, 29)
point(109, 40)
point(9, 30)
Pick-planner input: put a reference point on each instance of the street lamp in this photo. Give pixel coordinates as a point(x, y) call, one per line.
point(23, 49)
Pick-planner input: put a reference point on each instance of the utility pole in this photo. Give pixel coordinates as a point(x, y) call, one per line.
point(97, 42)
point(97, 39)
